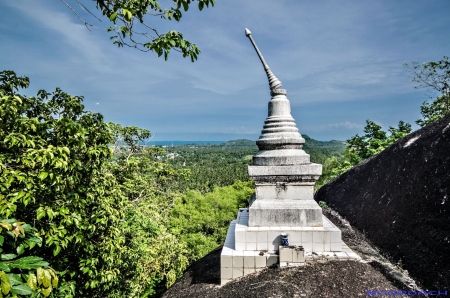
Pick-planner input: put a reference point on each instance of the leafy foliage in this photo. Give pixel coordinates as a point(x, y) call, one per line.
point(51, 157)
point(202, 220)
point(152, 257)
point(126, 15)
point(435, 76)
point(360, 148)
point(375, 140)
point(20, 273)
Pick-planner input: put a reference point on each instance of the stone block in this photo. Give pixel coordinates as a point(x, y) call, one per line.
point(327, 246)
point(251, 246)
point(239, 235)
point(295, 238)
point(298, 256)
point(262, 246)
point(262, 237)
point(290, 213)
point(260, 261)
point(318, 237)
point(285, 254)
point(335, 235)
point(283, 264)
point(239, 246)
point(226, 273)
point(307, 246)
point(238, 272)
point(307, 237)
point(271, 259)
point(224, 281)
point(238, 261)
point(249, 259)
point(284, 191)
point(317, 247)
point(249, 271)
point(336, 246)
point(281, 157)
point(294, 170)
point(273, 236)
point(272, 247)
point(226, 261)
point(250, 236)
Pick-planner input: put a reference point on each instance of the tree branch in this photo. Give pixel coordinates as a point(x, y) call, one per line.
point(81, 19)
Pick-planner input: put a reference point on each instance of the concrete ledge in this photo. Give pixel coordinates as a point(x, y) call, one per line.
point(298, 213)
point(306, 169)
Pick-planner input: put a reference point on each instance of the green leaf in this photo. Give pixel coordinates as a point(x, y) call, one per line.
point(40, 275)
point(200, 5)
point(6, 286)
point(113, 17)
point(56, 250)
point(20, 249)
point(4, 267)
point(47, 281)
point(47, 291)
point(15, 279)
point(23, 263)
point(42, 175)
point(30, 259)
point(2, 239)
point(127, 14)
point(21, 290)
point(6, 257)
point(32, 282)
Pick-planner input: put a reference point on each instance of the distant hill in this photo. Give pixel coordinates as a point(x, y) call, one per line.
point(314, 144)
point(240, 143)
point(400, 198)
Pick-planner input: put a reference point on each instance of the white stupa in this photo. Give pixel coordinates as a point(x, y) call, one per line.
point(283, 202)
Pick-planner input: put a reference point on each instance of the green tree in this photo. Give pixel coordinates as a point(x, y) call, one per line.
point(375, 140)
point(152, 257)
point(434, 76)
point(130, 27)
point(52, 156)
point(98, 200)
point(360, 148)
point(202, 220)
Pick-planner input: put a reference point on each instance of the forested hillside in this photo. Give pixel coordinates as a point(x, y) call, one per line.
point(223, 164)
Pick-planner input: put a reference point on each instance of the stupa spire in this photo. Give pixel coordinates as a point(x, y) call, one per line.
point(274, 83)
point(280, 130)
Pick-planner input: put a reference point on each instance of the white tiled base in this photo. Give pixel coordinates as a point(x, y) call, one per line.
point(326, 238)
point(251, 249)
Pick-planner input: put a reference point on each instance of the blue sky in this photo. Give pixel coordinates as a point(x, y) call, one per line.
point(340, 61)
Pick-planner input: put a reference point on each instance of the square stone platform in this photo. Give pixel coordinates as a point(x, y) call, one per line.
point(251, 249)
